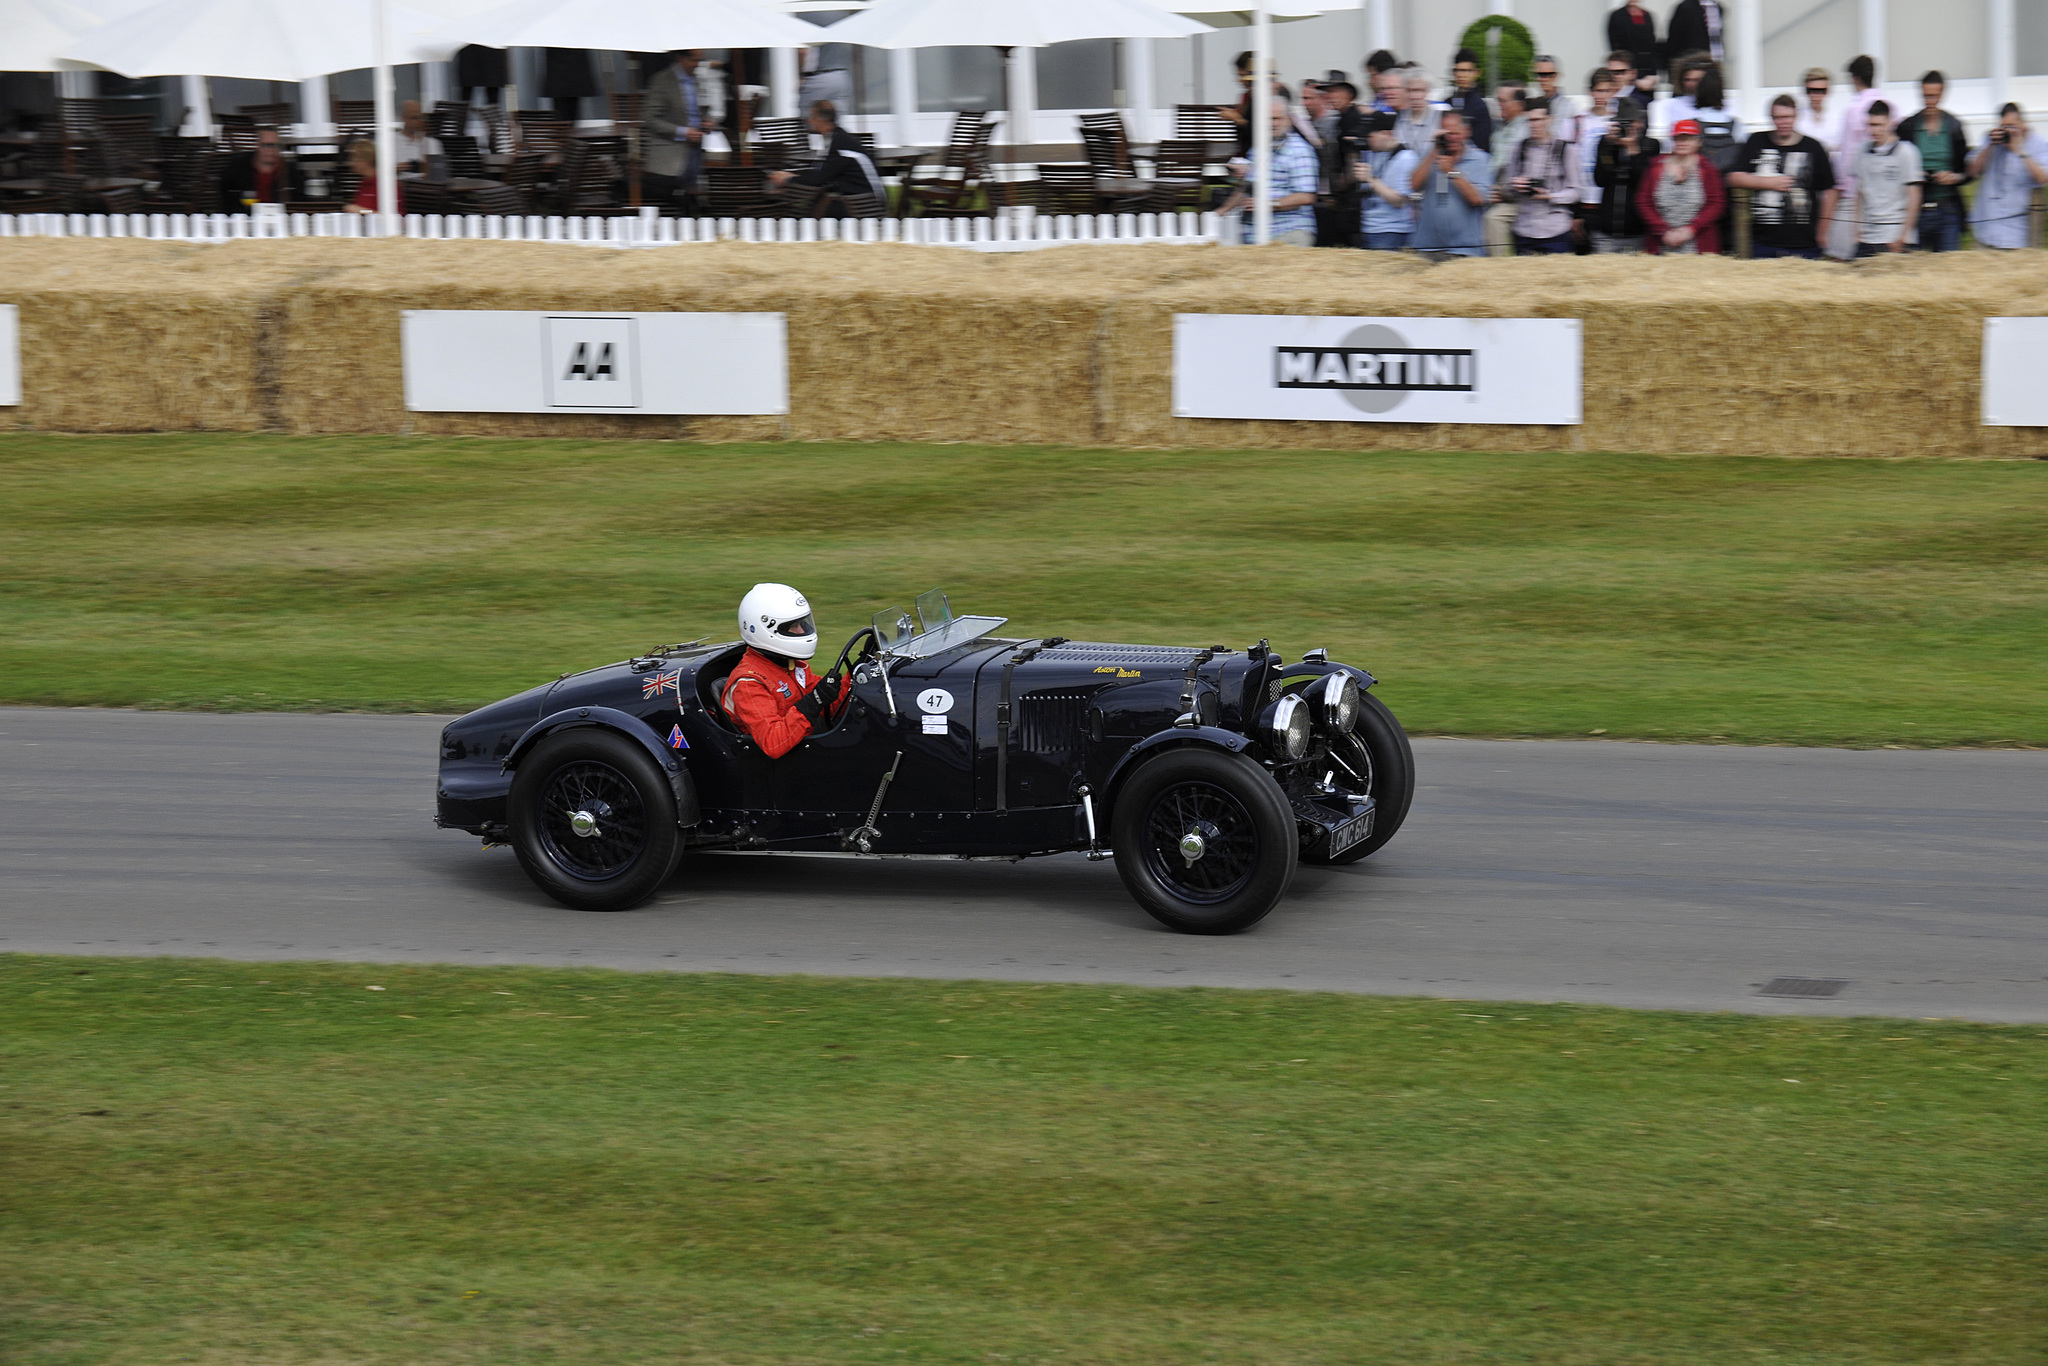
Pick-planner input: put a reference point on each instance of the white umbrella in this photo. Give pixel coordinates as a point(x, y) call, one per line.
point(1260, 16)
point(628, 25)
point(36, 31)
point(272, 40)
point(262, 40)
point(1006, 24)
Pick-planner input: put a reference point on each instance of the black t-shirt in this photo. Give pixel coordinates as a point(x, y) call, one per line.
point(1787, 218)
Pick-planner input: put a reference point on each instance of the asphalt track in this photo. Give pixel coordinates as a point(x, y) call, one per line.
point(1643, 875)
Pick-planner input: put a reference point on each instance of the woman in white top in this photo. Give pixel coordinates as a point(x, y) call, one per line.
point(1813, 117)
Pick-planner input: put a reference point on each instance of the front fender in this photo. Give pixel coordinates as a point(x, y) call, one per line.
point(1331, 666)
point(1212, 736)
point(688, 812)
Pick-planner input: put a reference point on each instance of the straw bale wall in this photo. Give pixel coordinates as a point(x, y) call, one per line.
point(1070, 346)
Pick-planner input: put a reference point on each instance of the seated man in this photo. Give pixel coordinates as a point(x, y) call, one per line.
point(771, 693)
point(844, 170)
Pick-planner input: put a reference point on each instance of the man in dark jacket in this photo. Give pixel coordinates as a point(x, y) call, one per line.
point(1944, 155)
point(1633, 29)
point(1468, 100)
point(260, 176)
point(1619, 166)
point(844, 171)
point(1695, 27)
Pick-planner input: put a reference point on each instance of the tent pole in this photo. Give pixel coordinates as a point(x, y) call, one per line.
point(387, 113)
point(1259, 109)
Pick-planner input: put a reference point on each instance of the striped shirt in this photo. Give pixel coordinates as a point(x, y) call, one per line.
point(1295, 171)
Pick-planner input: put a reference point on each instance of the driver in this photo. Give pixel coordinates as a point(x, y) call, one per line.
point(772, 692)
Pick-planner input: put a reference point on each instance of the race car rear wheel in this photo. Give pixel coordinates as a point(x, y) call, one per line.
point(1375, 759)
point(1204, 840)
point(593, 820)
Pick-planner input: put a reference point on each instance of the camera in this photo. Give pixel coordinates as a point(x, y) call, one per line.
point(1537, 182)
point(1443, 145)
point(2001, 136)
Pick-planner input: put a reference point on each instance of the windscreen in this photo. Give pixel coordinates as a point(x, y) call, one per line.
point(893, 627)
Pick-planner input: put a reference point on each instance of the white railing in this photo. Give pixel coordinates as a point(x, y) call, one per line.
point(1010, 230)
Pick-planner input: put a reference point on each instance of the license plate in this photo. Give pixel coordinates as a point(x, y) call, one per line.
point(1351, 832)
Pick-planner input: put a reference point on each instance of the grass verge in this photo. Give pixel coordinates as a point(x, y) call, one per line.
point(1747, 600)
point(228, 1163)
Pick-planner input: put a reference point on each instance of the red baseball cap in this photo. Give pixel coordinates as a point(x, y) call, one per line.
point(1686, 128)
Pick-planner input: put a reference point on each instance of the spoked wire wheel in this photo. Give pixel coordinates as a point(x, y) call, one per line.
point(1205, 840)
point(1200, 842)
point(591, 820)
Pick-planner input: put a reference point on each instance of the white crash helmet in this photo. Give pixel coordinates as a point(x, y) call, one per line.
point(775, 619)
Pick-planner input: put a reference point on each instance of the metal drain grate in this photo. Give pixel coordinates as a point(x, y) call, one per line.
point(1803, 986)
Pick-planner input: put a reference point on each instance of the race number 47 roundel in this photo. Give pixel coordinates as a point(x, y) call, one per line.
point(935, 701)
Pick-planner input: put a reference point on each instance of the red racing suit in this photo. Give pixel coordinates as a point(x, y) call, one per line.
point(761, 696)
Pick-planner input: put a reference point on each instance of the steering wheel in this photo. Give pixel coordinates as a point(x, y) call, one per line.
point(871, 651)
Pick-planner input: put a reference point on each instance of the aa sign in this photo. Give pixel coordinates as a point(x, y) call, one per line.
point(490, 361)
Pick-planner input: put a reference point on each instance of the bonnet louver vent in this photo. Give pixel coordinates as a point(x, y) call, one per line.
point(1050, 722)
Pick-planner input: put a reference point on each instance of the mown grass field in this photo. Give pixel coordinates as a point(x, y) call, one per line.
point(1746, 600)
point(283, 1163)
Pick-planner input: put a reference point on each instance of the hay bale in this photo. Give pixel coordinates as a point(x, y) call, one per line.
point(1071, 346)
point(146, 337)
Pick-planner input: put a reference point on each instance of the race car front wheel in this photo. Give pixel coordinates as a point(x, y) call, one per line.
point(593, 820)
point(1375, 759)
point(1205, 840)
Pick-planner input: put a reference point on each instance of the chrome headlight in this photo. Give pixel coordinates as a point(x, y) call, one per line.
point(1337, 703)
point(1290, 726)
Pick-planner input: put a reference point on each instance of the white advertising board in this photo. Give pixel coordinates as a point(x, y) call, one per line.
point(2016, 372)
point(10, 354)
point(1376, 369)
point(710, 364)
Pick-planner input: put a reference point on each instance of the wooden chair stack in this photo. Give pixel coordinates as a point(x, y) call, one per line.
point(269, 115)
point(462, 157)
point(736, 192)
point(778, 143)
point(1066, 187)
point(960, 173)
point(581, 181)
point(355, 119)
point(629, 108)
point(541, 130)
point(1202, 123)
point(1181, 168)
point(237, 132)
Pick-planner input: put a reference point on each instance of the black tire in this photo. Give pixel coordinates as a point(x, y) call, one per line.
point(1376, 755)
point(636, 842)
point(1248, 833)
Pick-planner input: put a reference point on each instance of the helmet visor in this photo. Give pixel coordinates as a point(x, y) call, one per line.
point(798, 629)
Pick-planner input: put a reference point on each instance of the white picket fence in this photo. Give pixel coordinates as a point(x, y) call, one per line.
point(1012, 230)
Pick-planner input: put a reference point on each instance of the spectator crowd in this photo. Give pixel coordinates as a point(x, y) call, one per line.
point(1529, 169)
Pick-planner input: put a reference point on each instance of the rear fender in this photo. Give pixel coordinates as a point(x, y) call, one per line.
point(688, 813)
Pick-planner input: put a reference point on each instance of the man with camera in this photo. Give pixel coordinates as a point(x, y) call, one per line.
point(2010, 167)
point(1451, 188)
point(1543, 183)
point(1386, 179)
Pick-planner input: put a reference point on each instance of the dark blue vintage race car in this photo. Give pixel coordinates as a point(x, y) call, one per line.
point(1208, 774)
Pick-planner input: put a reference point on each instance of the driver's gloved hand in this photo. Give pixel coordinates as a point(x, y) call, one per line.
point(829, 685)
point(814, 708)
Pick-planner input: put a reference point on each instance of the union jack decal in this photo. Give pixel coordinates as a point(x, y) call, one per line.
point(661, 683)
